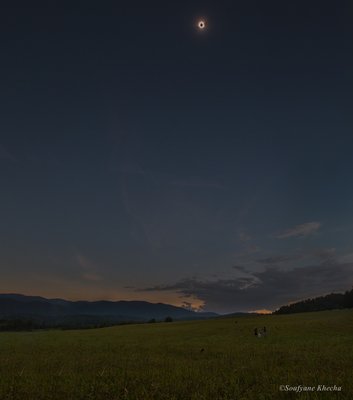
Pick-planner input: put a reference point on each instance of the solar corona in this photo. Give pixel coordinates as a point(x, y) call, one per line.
point(201, 25)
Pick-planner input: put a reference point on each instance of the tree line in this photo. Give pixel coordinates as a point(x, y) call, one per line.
point(331, 301)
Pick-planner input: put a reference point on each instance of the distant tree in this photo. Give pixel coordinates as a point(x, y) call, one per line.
point(152, 321)
point(348, 299)
point(168, 319)
point(329, 302)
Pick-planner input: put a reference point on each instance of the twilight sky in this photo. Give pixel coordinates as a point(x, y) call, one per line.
point(141, 158)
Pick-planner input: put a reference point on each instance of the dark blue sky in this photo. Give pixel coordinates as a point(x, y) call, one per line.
point(143, 159)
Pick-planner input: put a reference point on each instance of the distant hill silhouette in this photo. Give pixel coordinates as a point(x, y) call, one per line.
point(329, 302)
point(59, 312)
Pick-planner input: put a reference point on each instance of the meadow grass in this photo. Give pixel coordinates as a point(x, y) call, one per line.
point(164, 361)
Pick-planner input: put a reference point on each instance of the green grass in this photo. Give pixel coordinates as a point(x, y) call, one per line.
point(163, 361)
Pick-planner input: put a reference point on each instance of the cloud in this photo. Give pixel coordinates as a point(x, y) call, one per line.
point(300, 230)
point(239, 268)
point(244, 237)
point(190, 306)
point(247, 252)
point(266, 289)
point(88, 268)
point(326, 254)
point(319, 254)
point(347, 258)
point(280, 259)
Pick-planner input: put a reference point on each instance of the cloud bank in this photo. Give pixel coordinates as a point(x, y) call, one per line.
point(269, 288)
point(300, 230)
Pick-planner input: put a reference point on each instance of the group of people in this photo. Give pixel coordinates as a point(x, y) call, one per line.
point(260, 332)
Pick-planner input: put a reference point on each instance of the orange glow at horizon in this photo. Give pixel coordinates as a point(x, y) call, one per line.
point(262, 311)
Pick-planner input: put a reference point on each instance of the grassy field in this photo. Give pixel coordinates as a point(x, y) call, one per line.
point(164, 361)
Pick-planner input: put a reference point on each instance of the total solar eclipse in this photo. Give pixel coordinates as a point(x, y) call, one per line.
point(201, 24)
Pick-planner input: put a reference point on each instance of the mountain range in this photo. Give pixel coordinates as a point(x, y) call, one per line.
point(59, 310)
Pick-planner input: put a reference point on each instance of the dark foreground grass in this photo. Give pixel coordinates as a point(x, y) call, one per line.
point(163, 361)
